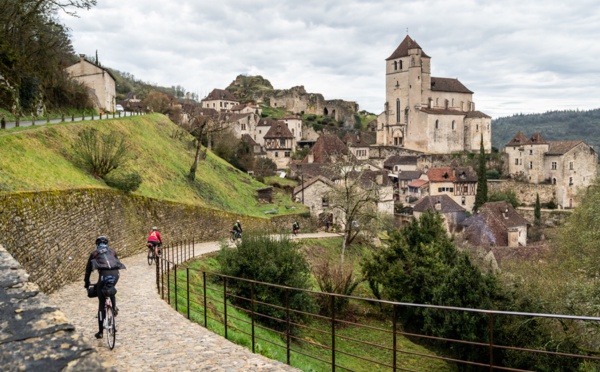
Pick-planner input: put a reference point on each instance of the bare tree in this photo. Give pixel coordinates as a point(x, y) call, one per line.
point(353, 200)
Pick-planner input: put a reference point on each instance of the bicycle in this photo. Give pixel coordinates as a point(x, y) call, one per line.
point(110, 324)
point(151, 256)
point(235, 235)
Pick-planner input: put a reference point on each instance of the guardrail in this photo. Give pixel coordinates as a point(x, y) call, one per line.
point(176, 282)
point(64, 118)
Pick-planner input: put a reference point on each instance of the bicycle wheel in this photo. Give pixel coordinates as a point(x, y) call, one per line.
point(150, 256)
point(111, 328)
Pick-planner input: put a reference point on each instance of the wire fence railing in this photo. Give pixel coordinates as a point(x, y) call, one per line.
point(40, 120)
point(336, 342)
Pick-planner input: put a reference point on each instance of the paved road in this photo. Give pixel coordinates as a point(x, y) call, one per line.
point(152, 336)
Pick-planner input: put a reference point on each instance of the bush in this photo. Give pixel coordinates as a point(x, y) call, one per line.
point(127, 182)
point(276, 261)
point(100, 153)
point(508, 196)
point(265, 167)
point(550, 205)
point(334, 278)
point(493, 174)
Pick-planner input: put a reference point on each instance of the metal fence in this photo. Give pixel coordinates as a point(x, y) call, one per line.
point(211, 300)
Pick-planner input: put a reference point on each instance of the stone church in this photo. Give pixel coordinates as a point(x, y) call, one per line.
point(429, 114)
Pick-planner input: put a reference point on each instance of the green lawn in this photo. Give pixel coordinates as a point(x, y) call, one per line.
point(41, 158)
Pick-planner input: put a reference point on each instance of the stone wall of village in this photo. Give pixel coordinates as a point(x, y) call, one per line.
point(52, 233)
point(526, 192)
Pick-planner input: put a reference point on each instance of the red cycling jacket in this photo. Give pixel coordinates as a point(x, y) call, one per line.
point(155, 237)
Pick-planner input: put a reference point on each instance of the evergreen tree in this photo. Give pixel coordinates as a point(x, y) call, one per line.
point(482, 189)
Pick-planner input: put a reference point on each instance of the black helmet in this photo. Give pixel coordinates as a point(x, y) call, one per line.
point(101, 240)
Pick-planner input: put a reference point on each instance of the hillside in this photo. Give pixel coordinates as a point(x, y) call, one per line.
point(41, 158)
point(553, 125)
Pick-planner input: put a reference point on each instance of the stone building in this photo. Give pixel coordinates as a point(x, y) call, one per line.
point(100, 82)
point(313, 194)
point(496, 224)
point(359, 144)
point(452, 213)
point(430, 114)
point(569, 165)
point(220, 100)
point(279, 144)
point(458, 183)
point(294, 124)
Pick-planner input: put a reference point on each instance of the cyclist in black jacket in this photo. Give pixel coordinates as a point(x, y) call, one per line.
point(105, 260)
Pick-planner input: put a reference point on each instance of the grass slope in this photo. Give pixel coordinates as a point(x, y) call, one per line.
point(41, 158)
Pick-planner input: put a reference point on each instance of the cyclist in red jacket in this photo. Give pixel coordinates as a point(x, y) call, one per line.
point(155, 239)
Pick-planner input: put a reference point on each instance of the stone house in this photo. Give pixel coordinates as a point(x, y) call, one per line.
point(220, 100)
point(279, 143)
point(246, 109)
point(416, 190)
point(312, 193)
point(430, 114)
point(397, 163)
point(569, 165)
point(452, 213)
point(257, 149)
point(402, 180)
point(100, 82)
point(359, 144)
point(328, 149)
point(294, 124)
point(458, 183)
point(496, 224)
point(262, 127)
point(242, 123)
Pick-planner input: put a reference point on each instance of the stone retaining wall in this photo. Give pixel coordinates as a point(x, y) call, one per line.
point(35, 336)
point(52, 233)
point(526, 192)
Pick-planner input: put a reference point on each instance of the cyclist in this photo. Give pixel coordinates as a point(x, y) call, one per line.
point(237, 229)
point(106, 261)
point(155, 239)
point(295, 227)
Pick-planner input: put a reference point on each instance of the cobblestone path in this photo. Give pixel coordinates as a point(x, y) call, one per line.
point(151, 335)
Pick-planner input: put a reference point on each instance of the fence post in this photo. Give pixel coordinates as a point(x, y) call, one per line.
point(162, 278)
point(168, 284)
point(33, 120)
point(252, 313)
point(158, 274)
point(394, 342)
point(100, 115)
point(187, 278)
point(204, 290)
point(193, 248)
point(287, 320)
point(491, 341)
point(225, 303)
point(175, 279)
point(332, 333)
point(72, 117)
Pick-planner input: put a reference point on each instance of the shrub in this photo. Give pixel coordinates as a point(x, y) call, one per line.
point(493, 174)
point(100, 153)
point(334, 278)
point(266, 259)
point(508, 196)
point(264, 167)
point(127, 182)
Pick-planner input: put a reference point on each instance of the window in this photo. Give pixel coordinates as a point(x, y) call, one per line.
point(400, 64)
point(453, 122)
point(477, 128)
point(397, 111)
point(395, 65)
point(530, 165)
point(282, 142)
point(570, 181)
point(437, 124)
point(243, 126)
point(530, 152)
point(571, 165)
point(276, 154)
point(221, 104)
point(516, 161)
point(465, 189)
point(324, 202)
point(554, 181)
point(437, 102)
point(287, 154)
point(463, 200)
point(553, 165)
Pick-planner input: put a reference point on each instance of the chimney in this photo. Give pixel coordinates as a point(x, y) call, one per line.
point(379, 179)
point(438, 206)
point(81, 57)
point(311, 158)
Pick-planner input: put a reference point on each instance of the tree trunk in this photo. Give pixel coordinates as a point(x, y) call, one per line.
point(192, 175)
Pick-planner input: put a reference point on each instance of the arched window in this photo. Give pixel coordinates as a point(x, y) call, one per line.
point(406, 117)
point(395, 65)
point(397, 110)
point(554, 181)
point(453, 122)
point(400, 63)
point(437, 124)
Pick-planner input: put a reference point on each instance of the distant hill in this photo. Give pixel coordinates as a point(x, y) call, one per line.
point(553, 125)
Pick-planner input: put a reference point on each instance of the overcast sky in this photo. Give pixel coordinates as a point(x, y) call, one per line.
point(518, 56)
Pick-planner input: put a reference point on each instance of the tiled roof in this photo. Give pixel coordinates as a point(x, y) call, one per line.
point(368, 177)
point(404, 47)
point(447, 205)
point(457, 174)
point(442, 111)
point(312, 169)
point(279, 130)
point(418, 183)
point(266, 122)
point(490, 225)
point(249, 140)
point(518, 140)
point(537, 138)
point(409, 175)
point(238, 107)
point(441, 175)
point(220, 94)
point(326, 146)
point(477, 114)
point(448, 85)
point(561, 147)
point(362, 139)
